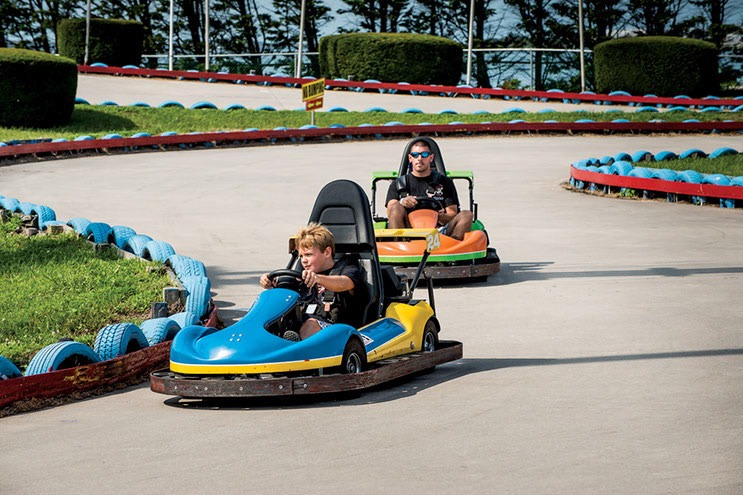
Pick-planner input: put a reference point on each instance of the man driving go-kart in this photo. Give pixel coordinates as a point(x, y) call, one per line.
point(425, 188)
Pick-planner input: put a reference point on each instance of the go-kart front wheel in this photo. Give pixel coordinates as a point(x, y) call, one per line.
point(430, 337)
point(354, 357)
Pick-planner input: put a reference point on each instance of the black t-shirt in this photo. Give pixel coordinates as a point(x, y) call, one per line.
point(348, 306)
point(434, 185)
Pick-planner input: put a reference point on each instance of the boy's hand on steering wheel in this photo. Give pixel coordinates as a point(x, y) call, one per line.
point(309, 278)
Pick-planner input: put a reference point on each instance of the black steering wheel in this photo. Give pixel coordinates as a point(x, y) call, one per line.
point(286, 279)
point(428, 203)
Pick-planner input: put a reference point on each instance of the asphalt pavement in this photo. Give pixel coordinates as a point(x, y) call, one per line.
point(605, 357)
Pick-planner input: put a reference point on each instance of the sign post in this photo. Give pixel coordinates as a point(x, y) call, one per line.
point(312, 96)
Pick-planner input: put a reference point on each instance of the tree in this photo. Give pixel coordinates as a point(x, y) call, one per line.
point(382, 16)
point(655, 17)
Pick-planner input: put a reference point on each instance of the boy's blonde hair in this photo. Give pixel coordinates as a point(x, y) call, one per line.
point(315, 235)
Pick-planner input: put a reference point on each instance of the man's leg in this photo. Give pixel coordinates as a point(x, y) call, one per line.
point(397, 217)
point(460, 225)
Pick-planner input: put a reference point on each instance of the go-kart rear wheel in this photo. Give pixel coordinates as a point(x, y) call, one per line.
point(354, 357)
point(430, 337)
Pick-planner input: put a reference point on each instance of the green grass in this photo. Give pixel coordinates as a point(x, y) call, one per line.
point(97, 121)
point(729, 165)
point(58, 286)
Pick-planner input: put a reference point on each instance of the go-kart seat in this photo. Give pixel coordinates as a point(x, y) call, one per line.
point(438, 160)
point(343, 207)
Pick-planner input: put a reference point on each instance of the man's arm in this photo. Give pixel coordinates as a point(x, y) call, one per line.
point(446, 215)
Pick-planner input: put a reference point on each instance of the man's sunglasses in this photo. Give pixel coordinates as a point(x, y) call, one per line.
point(424, 154)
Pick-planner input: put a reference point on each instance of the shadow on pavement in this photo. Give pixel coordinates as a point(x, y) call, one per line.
point(411, 385)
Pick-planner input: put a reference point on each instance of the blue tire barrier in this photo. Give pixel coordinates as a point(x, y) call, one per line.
point(235, 106)
point(481, 112)
point(84, 138)
point(112, 136)
point(44, 215)
point(375, 109)
point(393, 123)
point(157, 251)
point(723, 152)
point(184, 266)
point(79, 224)
point(141, 135)
point(9, 204)
point(59, 140)
point(690, 121)
point(641, 172)
point(337, 126)
point(25, 207)
point(516, 121)
point(81, 101)
point(169, 133)
point(622, 167)
point(158, 330)
point(198, 294)
point(711, 109)
point(118, 339)
point(584, 121)
point(309, 126)
point(120, 234)
point(412, 110)
point(338, 109)
point(677, 109)
point(665, 174)
point(606, 160)
point(613, 110)
point(646, 109)
point(97, 232)
point(266, 108)
point(620, 121)
point(642, 156)
point(693, 153)
point(140, 104)
point(98, 64)
point(136, 244)
point(690, 176)
point(60, 356)
point(185, 319)
point(130, 67)
point(513, 110)
point(109, 103)
point(171, 103)
point(605, 169)
point(203, 105)
point(665, 155)
point(8, 370)
point(717, 179)
point(739, 108)
point(448, 111)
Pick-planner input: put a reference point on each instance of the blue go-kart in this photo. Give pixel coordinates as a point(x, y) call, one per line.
point(399, 334)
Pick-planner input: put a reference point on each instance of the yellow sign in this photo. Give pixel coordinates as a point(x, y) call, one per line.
point(313, 104)
point(314, 89)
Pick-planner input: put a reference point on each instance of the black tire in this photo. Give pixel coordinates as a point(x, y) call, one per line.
point(430, 341)
point(354, 357)
point(60, 356)
point(118, 339)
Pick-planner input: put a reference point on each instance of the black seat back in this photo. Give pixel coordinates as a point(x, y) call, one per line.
point(343, 207)
point(438, 160)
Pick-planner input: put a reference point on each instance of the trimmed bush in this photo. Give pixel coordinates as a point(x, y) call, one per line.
point(661, 65)
point(392, 57)
point(36, 89)
point(114, 42)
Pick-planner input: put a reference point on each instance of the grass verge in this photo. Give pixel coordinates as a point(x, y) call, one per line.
point(97, 121)
point(58, 286)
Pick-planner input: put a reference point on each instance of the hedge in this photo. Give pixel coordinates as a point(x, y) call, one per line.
point(392, 57)
point(660, 65)
point(36, 89)
point(114, 42)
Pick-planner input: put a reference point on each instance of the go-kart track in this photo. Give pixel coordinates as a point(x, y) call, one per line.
point(606, 356)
